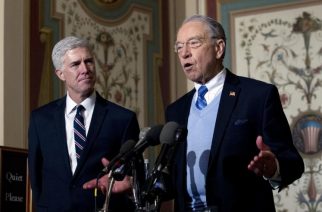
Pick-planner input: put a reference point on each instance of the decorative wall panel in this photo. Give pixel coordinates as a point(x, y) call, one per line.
point(119, 47)
point(282, 45)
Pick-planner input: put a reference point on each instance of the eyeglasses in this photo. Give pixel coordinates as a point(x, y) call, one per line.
point(192, 43)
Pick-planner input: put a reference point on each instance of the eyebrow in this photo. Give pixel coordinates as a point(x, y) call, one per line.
point(77, 62)
point(90, 59)
point(194, 37)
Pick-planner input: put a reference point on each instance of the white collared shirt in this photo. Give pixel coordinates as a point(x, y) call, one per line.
point(215, 86)
point(70, 112)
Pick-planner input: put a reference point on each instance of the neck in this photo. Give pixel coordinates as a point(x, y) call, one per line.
point(78, 98)
point(209, 76)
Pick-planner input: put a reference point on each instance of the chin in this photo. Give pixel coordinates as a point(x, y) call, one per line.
point(88, 90)
point(194, 78)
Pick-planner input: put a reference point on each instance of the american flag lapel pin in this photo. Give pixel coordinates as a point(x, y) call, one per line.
point(232, 93)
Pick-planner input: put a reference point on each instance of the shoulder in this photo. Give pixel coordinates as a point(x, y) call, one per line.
point(183, 100)
point(252, 90)
point(177, 110)
point(245, 81)
point(47, 113)
point(50, 107)
point(258, 88)
point(118, 108)
point(248, 85)
point(111, 105)
point(118, 116)
point(113, 108)
point(232, 78)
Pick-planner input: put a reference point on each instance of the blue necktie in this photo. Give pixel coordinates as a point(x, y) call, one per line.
point(79, 131)
point(201, 101)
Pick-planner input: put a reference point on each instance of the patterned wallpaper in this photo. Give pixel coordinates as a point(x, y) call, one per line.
point(119, 52)
point(124, 37)
point(282, 45)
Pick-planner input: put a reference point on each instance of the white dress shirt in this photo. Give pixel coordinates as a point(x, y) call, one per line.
point(70, 112)
point(214, 86)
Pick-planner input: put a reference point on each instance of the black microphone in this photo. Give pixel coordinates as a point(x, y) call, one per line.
point(125, 148)
point(150, 137)
point(167, 139)
point(180, 135)
point(143, 133)
point(119, 172)
point(170, 135)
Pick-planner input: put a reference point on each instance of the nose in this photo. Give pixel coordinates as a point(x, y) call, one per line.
point(185, 51)
point(84, 67)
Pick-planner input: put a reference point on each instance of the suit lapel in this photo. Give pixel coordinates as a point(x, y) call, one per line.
point(227, 104)
point(98, 116)
point(182, 117)
point(59, 119)
point(187, 106)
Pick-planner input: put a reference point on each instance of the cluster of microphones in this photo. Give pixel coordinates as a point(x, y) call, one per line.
point(147, 192)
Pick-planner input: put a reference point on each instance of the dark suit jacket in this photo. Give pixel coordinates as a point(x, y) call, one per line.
point(247, 108)
point(53, 185)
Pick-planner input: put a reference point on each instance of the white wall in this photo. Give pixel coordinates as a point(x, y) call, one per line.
point(179, 83)
point(13, 72)
point(1, 71)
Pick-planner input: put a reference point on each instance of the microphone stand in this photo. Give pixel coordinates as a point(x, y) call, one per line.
point(135, 189)
point(153, 192)
point(108, 193)
point(146, 177)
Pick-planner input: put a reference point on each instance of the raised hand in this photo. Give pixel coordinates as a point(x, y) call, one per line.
point(263, 164)
point(119, 186)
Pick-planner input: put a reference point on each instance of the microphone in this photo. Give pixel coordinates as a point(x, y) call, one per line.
point(167, 139)
point(146, 168)
point(119, 172)
point(149, 137)
point(143, 133)
point(126, 147)
point(170, 135)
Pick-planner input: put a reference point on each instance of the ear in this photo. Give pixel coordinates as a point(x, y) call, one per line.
point(220, 48)
point(60, 74)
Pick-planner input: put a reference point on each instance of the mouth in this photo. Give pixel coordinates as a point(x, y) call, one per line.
point(187, 66)
point(85, 79)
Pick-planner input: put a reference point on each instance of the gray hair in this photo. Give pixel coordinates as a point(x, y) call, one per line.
point(215, 28)
point(64, 45)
